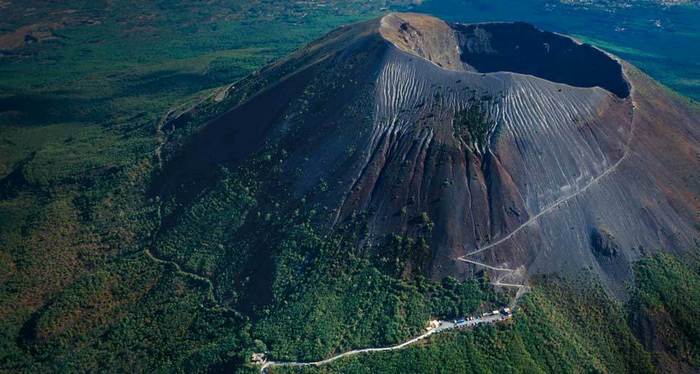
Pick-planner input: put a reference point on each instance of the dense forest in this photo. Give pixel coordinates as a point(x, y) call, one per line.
point(567, 326)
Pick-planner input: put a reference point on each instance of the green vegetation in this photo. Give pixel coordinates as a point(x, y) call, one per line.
point(338, 305)
point(568, 326)
point(666, 308)
point(131, 315)
point(560, 328)
point(310, 295)
point(471, 126)
point(328, 299)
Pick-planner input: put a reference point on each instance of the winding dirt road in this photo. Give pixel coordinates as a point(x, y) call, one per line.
point(465, 259)
point(269, 364)
point(444, 326)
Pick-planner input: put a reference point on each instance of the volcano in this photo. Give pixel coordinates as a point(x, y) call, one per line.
point(526, 151)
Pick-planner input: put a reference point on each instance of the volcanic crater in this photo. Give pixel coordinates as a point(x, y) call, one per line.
point(518, 146)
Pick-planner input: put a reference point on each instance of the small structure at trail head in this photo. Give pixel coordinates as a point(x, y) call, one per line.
point(258, 358)
point(432, 325)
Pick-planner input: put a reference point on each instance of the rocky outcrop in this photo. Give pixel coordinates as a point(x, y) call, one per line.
point(603, 244)
point(427, 37)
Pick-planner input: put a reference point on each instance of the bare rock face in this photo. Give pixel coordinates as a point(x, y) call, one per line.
point(424, 36)
point(517, 145)
point(603, 244)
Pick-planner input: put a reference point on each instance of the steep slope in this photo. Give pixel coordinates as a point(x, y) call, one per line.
point(503, 145)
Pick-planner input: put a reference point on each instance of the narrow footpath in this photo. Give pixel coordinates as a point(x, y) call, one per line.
point(161, 139)
point(564, 199)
